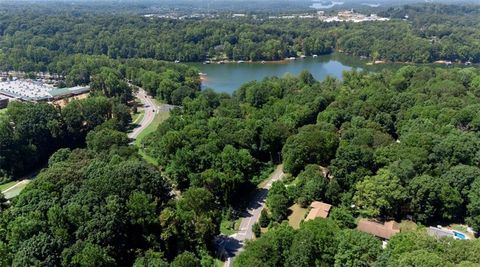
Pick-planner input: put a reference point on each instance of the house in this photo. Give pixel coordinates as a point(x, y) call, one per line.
point(381, 230)
point(319, 210)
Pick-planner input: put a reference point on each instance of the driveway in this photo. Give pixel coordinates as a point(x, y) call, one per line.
point(233, 244)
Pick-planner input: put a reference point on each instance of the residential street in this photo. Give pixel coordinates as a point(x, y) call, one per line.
point(233, 244)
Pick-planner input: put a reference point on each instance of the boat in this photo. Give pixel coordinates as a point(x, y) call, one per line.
point(468, 63)
point(315, 56)
point(206, 62)
point(240, 61)
point(177, 61)
point(302, 56)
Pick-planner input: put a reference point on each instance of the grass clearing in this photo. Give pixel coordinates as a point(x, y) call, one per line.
point(7, 185)
point(137, 117)
point(147, 158)
point(408, 226)
point(16, 190)
point(159, 118)
point(228, 227)
point(296, 216)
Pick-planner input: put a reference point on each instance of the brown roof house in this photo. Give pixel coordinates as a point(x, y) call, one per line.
point(382, 230)
point(319, 210)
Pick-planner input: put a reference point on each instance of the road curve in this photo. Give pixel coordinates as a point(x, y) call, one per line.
point(150, 108)
point(233, 244)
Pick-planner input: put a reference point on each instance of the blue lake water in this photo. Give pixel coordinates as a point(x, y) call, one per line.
point(229, 77)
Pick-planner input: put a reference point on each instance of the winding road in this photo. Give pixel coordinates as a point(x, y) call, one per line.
point(150, 110)
point(233, 245)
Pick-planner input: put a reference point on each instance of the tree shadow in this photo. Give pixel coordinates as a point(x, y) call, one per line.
point(228, 246)
point(257, 201)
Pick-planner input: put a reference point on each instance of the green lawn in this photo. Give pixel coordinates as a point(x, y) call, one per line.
point(147, 158)
point(16, 190)
point(7, 185)
point(229, 227)
point(296, 216)
point(137, 117)
point(159, 118)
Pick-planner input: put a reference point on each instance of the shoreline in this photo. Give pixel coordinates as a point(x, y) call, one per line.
point(366, 61)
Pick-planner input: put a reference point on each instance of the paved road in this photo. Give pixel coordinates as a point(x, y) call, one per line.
point(149, 108)
point(15, 190)
point(233, 244)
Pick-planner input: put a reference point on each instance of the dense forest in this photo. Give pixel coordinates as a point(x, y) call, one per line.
point(395, 144)
point(326, 243)
point(31, 41)
point(30, 133)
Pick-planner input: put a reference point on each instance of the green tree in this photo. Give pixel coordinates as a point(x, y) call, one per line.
point(379, 195)
point(278, 201)
point(151, 259)
point(310, 145)
point(92, 255)
point(473, 206)
point(264, 219)
point(357, 249)
point(186, 259)
point(343, 217)
point(257, 231)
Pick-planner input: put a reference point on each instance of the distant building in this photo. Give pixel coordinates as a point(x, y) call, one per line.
point(35, 90)
point(319, 210)
point(381, 230)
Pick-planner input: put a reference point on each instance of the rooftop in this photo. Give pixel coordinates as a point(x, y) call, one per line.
point(319, 209)
point(33, 90)
point(383, 230)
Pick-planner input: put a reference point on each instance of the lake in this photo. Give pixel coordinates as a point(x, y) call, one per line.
point(229, 77)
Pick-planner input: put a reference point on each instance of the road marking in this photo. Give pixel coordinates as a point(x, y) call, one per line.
point(13, 186)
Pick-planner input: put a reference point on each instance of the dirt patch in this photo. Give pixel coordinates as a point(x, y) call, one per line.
point(296, 216)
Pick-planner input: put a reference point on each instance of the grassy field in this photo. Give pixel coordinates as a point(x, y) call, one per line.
point(297, 215)
point(147, 158)
point(20, 185)
point(408, 226)
point(229, 227)
point(159, 118)
point(137, 117)
point(7, 185)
